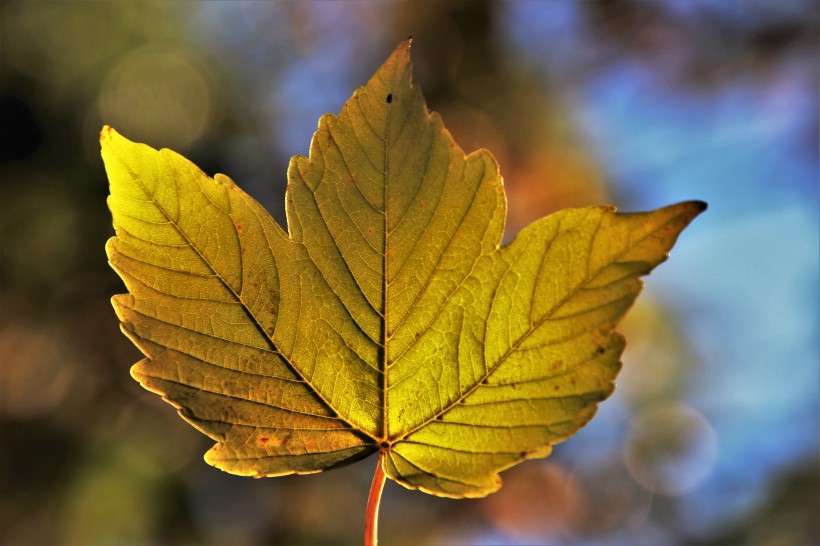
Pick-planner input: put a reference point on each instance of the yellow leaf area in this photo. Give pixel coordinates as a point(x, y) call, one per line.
point(388, 317)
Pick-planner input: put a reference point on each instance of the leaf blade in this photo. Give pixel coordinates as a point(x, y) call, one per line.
point(236, 335)
point(556, 345)
point(405, 326)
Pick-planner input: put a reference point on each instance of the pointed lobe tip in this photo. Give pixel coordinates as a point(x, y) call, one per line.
point(403, 49)
point(107, 133)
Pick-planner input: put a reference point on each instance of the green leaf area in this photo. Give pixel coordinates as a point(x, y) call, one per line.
point(388, 316)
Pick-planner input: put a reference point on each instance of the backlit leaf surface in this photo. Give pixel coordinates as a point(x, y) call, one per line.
point(387, 316)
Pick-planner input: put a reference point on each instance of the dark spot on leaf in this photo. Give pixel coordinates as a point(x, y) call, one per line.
point(418, 335)
point(389, 98)
point(384, 445)
point(572, 380)
point(556, 388)
point(600, 351)
point(439, 417)
point(264, 439)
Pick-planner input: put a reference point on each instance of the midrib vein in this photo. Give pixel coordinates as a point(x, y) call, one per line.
point(385, 254)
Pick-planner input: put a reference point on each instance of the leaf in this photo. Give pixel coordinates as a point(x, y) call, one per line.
point(388, 318)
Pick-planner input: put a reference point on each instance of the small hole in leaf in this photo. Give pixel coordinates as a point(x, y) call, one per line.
point(389, 98)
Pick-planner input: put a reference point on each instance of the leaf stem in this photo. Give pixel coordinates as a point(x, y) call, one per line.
point(371, 524)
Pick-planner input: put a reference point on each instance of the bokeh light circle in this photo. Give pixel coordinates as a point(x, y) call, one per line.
point(670, 449)
point(158, 96)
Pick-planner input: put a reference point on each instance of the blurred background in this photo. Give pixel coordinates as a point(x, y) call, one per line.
point(712, 434)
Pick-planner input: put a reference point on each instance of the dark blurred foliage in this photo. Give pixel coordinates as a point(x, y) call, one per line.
point(677, 456)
